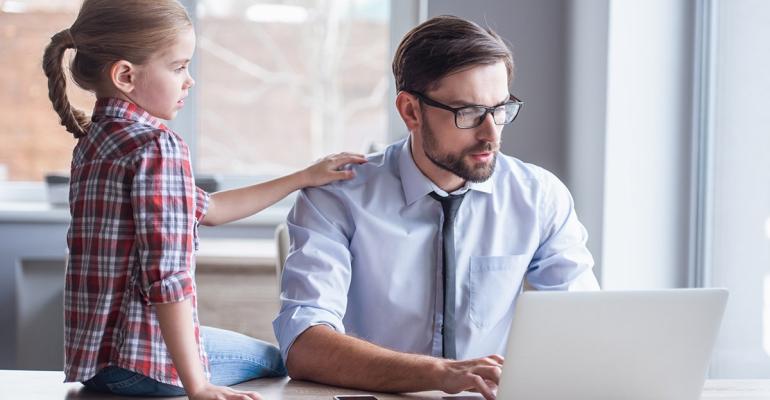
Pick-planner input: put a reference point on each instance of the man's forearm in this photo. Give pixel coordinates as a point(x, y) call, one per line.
point(322, 355)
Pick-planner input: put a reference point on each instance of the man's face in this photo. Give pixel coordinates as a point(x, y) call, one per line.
point(467, 153)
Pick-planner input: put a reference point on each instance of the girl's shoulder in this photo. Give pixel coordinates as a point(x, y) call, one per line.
point(122, 139)
point(121, 127)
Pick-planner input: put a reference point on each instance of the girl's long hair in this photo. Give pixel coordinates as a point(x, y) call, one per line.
point(107, 31)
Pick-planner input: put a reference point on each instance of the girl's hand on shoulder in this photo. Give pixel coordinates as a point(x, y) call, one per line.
point(210, 391)
point(328, 169)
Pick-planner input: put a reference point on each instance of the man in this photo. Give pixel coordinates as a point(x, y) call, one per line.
point(405, 277)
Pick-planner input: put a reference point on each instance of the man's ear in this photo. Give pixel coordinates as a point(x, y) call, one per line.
point(408, 107)
point(123, 76)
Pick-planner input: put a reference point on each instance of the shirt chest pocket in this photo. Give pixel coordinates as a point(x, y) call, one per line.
point(494, 284)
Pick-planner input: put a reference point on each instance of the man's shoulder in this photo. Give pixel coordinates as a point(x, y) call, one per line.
point(530, 180)
point(510, 168)
point(378, 176)
point(380, 168)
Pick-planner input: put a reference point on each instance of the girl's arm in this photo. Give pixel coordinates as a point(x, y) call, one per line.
point(176, 324)
point(230, 205)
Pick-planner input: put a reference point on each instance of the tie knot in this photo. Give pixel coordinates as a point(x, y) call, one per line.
point(450, 204)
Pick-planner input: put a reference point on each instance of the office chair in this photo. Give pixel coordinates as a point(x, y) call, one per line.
point(282, 247)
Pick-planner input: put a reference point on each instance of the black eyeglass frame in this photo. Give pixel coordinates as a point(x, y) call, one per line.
point(487, 110)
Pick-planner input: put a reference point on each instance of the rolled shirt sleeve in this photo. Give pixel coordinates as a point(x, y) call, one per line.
point(317, 272)
point(201, 204)
point(562, 261)
point(163, 198)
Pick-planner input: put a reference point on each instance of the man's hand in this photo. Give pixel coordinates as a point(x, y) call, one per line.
point(481, 375)
point(323, 355)
point(209, 391)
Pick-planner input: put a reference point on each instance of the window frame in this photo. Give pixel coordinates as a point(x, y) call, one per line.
point(702, 167)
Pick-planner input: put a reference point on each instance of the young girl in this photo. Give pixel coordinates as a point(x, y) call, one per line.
point(131, 326)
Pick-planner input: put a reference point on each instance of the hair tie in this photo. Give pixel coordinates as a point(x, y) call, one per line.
point(72, 39)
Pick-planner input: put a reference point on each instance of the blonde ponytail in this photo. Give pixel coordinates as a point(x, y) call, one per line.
point(71, 118)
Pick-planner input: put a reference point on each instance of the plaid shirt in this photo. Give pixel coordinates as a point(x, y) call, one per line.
point(135, 211)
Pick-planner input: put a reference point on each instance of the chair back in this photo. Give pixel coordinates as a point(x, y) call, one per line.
point(282, 247)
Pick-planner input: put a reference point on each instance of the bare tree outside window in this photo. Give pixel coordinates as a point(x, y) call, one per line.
point(283, 83)
point(280, 84)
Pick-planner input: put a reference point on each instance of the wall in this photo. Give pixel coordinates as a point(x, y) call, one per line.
point(31, 277)
point(587, 114)
point(647, 147)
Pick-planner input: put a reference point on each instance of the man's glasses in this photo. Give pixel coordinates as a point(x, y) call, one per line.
point(472, 116)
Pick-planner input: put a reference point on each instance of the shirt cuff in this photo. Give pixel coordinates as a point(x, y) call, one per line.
point(202, 203)
point(292, 322)
point(171, 289)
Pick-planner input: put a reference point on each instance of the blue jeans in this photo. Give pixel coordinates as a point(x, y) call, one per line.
point(233, 358)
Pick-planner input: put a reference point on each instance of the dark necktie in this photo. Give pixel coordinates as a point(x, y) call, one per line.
point(450, 205)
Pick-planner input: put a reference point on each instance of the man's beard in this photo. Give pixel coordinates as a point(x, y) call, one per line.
point(478, 172)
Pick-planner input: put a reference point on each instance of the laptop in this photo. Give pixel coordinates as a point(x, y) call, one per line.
point(618, 345)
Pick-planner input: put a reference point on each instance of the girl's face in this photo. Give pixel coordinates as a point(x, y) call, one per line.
point(164, 81)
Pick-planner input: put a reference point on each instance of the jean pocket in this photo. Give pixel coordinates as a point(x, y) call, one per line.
point(495, 281)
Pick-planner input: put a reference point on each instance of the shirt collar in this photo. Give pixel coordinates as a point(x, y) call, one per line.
point(117, 108)
point(416, 185)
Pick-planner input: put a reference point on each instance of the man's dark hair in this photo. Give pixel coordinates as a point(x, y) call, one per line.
point(443, 45)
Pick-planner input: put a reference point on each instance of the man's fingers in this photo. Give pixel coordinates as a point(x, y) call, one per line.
point(490, 373)
point(494, 359)
point(481, 386)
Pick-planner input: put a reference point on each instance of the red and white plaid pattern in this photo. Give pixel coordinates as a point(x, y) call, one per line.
point(135, 211)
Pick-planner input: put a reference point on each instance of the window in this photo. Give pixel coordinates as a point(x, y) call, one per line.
point(33, 142)
point(279, 84)
point(736, 241)
point(283, 83)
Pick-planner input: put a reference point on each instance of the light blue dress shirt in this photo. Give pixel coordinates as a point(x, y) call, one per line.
point(365, 255)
